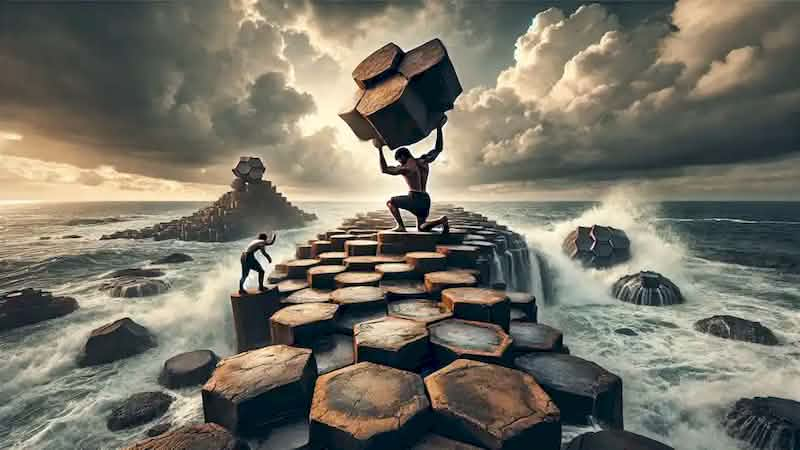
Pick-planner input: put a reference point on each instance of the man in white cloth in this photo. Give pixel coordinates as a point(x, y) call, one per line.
point(249, 261)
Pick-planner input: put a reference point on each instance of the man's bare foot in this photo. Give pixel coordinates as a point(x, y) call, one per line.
point(262, 289)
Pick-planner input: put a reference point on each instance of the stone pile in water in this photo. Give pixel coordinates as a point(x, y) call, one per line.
point(28, 306)
point(375, 339)
point(251, 207)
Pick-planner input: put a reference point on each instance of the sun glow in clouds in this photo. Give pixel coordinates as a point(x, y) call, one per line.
point(10, 136)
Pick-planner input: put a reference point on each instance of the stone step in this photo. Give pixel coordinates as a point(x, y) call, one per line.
point(361, 247)
point(435, 282)
point(299, 267)
point(301, 325)
point(349, 279)
point(460, 255)
point(478, 304)
point(391, 341)
point(535, 337)
point(322, 276)
point(308, 295)
point(425, 262)
point(332, 258)
point(418, 309)
point(368, 263)
point(396, 271)
point(320, 246)
point(338, 240)
point(250, 314)
point(452, 339)
point(403, 289)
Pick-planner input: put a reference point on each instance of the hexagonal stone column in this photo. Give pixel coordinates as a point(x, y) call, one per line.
point(394, 342)
point(251, 391)
point(299, 267)
point(493, 407)
point(338, 240)
point(399, 243)
point(525, 304)
point(322, 277)
point(350, 279)
point(460, 255)
point(420, 310)
point(358, 304)
point(251, 313)
point(579, 387)
point(426, 262)
point(303, 251)
point(402, 289)
point(301, 325)
point(290, 286)
point(396, 271)
point(368, 406)
point(308, 295)
point(535, 337)
point(455, 338)
point(436, 282)
point(478, 304)
point(614, 440)
point(597, 246)
point(332, 258)
point(333, 352)
point(361, 247)
point(320, 246)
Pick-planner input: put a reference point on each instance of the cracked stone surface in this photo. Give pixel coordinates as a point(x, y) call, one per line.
point(420, 310)
point(368, 406)
point(455, 338)
point(390, 341)
point(492, 406)
point(478, 304)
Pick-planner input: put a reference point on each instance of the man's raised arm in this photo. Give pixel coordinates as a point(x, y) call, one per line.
point(437, 149)
point(385, 168)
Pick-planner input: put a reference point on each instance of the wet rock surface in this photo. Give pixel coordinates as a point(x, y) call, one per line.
point(535, 337)
point(348, 279)
point(730, 327)
point(251, 391)
point(302, 324)
point(206, 436)
point(308, 295)
point(614, 440)
point(188, 369)
point(478, 304)
point(420, 310)
point(436, 282)
point(493, 407)
point(139, 409)
point(393, 342)
point(333, 352)
point(454, 338)
point(28, 306)
point(368, 406)
point(648, 289)
point(580, 388)
point(127, 287)
point(765, 422)
point(116, 340)
point(598, 246)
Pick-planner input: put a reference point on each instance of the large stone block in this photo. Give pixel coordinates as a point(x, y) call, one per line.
point(379, 65)
point(432, 75)
point(338, 240)
point(350, 279)
point(358, 123)
point(647, 288)
point(188, 369)
point(535, 337)
point(493, 407)
point(425, 262)
point(408, 241)
point(420, 310)
point(322, 277)
point(396, 271)
point(299, 267)
point(597, 246)
point(460, 255)
point(308, 295)
point(252, 391)
point(361, 247)
point(478, 304)
point(579, 387)
point(395, 111)
point(301, 325)
point(251, 313)
point(436, 282)
point(368, 407)
point(26, 306)
point(205, 436)
point(454, 338)
point(402, 289)
point(368, 263)
point(116, 340)
point(332, 258)
point(394, 342)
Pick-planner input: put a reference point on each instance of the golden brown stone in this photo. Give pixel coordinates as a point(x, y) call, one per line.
point(420, 310)
point(361, 247)
point(348, 279)
point(321, 277)
point(308, 295)
point(378, 65)
point(251, 313)
point(425, 262)
point(460, 255)
point(455, 338)
point(393, 342)
point(300, 325)
point(332, 258)
point(478, 304)
point(396, 271)
point(298, 267)
point(435, 282)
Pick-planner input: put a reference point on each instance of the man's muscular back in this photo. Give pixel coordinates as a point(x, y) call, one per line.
point(415, 171)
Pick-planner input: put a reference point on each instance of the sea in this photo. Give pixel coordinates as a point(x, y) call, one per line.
point(738, 258)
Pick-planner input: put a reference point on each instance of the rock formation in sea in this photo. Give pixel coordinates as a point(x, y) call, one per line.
point(28, 306)
point(765, 423)
point(647, 288)
point(254, 205)
point(730, 327)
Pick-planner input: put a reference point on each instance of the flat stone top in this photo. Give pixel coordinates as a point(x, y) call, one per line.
point(474, 337)
point(389, 333)
point(521, 298)
point(380, 259)
point(205, 436)
point(326, 269)
point(480, 243)
point(403, 287)
point(389, 236)
point(378, 62)
point(457, 248)
point(366, 399)
point(422, 310)
point(451, 277)
point(394, 268)
point(357, 294)
point(474, 295)
point(302, 263)
point(358, 277)
point(291, 285)
point(535, 336)
point(249, 374)
point(125, 322)
point(422, 58)
point(424, 255)
point(340, 236)
point(567, 373)
point(497, 399)
point(305, 313)
point(309, 295)
point(328, 255)
point(359, 242)
point(189, 361)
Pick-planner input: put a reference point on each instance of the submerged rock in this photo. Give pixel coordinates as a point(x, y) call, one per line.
point(730, 327)
point(116, 340)
point(188, 369)
point(174, 258)
point(136, 273)
point(159, 429)
point(135, 287)
point(614, 440)
point(767, 423)
point(626, 332)
point(29, 306)
point(647, 288)
point(139, 409)
point(206, 436)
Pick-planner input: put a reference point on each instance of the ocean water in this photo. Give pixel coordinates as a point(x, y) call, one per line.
point(735, 258)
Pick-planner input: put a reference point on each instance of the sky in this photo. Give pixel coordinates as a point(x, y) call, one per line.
point(685, 100)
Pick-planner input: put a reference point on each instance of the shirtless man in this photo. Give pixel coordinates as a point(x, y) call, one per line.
point(249, 261)
point(415, 171)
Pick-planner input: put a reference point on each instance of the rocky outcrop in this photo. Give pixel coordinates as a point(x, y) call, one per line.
point(29, 306)
point(730, 327)
point(174, 258)
point(139, 409)
point(598, 246)
point(136, 273)
point(206, 436)
point(614, 440)
point(116, 340)
point(765, 423)
point(253, 205)
point(135, 287)
point(647, 288)
point(188, 369)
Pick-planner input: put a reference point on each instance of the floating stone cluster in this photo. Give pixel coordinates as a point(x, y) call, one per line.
point(598, 246)
point(253, 206)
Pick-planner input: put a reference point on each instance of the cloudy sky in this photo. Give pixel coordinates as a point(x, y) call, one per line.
point(695, 99)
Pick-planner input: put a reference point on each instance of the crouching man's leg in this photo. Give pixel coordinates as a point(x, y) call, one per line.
point(392, 204)
point(428, 226)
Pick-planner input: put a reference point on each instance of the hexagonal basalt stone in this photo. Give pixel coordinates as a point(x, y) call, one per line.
point(188, 369)
point(425, 262)
point(322, 277)
point(290, 286)
point(396, 271)
point(308, 295)
point(435, 282)
point(251, 391)
point(393, 342)
point(579, 387)
point(402, 289)
point(460, 255)
point(205, 436)
point(332, 258)
point(524, 303)
point(351, 279)
point(478, 304)
point(356, 297)
point(378, 65)
point(302, 324)
point(368, 406)
point(368, 263)
point(420, 310)
point(299, 267)
point(320, 246)
point(303, 251)
point(614, 440)
point(361, 247)
point(647, 288)
point(338, 241)
point(597, 246)
point(454, 338)
point(535, 337)
point(493, 407)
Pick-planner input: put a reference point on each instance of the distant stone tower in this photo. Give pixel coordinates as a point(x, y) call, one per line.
point(249, 169)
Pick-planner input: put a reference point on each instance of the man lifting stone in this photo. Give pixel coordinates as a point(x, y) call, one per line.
point(249, 261)
point(415, 171)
